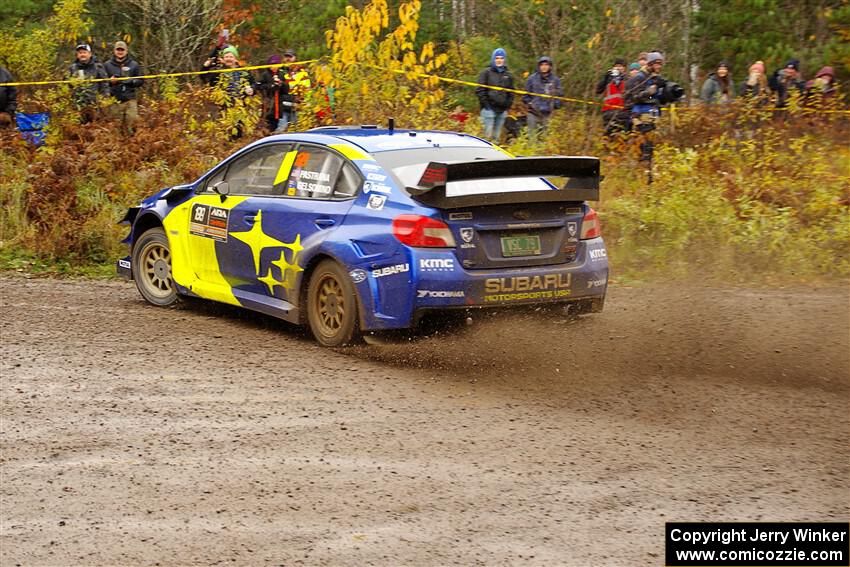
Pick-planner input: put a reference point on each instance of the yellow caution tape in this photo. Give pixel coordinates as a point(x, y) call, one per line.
point(541, 95)
point(157, 76)
point(397, 71)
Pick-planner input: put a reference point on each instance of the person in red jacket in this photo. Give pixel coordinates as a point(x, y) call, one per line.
point(615, 118)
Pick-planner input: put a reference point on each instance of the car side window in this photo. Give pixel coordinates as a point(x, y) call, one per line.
point(318, 173)
point(255, 173)
point(347, 183)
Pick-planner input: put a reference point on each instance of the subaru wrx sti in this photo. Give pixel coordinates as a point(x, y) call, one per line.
point(362, 230)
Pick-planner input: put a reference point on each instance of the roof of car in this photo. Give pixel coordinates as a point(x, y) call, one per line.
point(375, 140)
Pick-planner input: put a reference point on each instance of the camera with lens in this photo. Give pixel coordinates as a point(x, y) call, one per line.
point(673, 91)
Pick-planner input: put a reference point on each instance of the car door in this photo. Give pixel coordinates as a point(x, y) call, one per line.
point(318, 192)
point(233, 222)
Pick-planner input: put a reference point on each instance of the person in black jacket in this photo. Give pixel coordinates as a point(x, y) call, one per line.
point(276, 98)
point(126, 107)
point(786, 81)
point(495, 103)
point(8, 99)
point(86, 67)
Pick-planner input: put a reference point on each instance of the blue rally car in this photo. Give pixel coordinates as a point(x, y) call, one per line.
point(353, 230)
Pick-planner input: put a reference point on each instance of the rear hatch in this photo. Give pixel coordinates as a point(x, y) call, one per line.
point(503, 212)
point(515, 235)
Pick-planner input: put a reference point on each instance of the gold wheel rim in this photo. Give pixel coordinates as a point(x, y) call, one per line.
point(155, 268)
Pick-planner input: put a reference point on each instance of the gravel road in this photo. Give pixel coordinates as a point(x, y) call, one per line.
point(133, 435)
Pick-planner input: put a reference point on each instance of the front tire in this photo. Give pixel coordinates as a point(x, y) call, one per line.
point(332, 311)
point(152, 268)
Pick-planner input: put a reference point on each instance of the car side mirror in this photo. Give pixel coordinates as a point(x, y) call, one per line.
point(222, 188)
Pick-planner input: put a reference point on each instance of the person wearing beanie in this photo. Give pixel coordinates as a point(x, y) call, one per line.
point(276, 98)
point(785, 81)
point(495, 103)
point(645, 94)
point(613, 86)
point(543, 81)
point(755, 85)
point(234, 83)
point(121, 65)
point(718, 88)
point(821, 91)
point(823, 84)
point(634, 69)
point(86, 67)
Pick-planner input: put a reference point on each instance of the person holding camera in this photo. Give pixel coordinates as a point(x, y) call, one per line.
point(613, 85)
point(645, 94)
point(648, 90)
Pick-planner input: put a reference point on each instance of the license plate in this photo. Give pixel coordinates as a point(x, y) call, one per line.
point(526, 245)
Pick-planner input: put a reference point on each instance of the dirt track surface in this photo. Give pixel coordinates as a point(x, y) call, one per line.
point(135, 435)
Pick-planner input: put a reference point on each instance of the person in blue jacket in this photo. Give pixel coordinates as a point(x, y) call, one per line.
point(540, 109)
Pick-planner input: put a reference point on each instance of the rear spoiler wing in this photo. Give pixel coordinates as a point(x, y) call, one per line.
point(582, 171)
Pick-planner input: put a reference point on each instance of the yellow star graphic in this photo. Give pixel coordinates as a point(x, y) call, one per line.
point(257, 240)
point(270, 281)
point(289, 271)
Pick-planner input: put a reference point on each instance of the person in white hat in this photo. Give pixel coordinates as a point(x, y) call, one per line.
point(86, 67)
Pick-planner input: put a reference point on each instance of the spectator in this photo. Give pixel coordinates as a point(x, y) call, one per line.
point(784, 81)
point(276, 97)
point(718, 88)
point(122, 65)
point(495, 103)
point(645, 93)
point(86, 67)
point(755, 85)
point(8, 99)
point(634, 69)
point(822, 85)
point(641, 60)
point(299, 84)
point(540, 109)
point(236, 83)
point(233, 82)
point(615, 118)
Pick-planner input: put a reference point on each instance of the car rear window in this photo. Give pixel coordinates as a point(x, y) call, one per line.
point(407, 167)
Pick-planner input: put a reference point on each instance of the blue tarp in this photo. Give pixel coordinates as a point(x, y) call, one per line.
point(33, 126)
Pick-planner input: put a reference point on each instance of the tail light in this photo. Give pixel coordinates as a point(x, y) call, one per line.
point(422, 232)
point(590, 227)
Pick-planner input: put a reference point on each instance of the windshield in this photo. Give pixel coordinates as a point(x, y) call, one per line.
point(408, 165)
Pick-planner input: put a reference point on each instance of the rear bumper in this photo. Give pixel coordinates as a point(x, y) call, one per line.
point(124, 268)
point(436, 281)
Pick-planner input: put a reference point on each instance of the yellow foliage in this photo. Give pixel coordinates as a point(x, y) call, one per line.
point(367, 58)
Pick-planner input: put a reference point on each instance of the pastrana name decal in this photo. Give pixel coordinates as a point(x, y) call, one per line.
point(209, 222)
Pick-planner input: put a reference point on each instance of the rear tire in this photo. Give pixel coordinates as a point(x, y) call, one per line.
point(152, 268)
point(332, 310)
